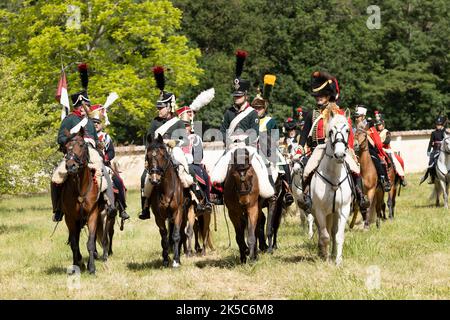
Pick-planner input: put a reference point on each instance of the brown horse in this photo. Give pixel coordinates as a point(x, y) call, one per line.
point(80, 199)
point(199, 228)
point(241, 197)
point(369, 176)
point(166, 199)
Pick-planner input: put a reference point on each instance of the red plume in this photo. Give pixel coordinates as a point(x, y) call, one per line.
point(241, 55)
point(158, 73)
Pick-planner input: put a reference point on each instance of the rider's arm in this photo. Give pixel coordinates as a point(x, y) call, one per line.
point(225, 125)
point(68, 124)
point(306, 129)
point(387, 140)
point(430, 144)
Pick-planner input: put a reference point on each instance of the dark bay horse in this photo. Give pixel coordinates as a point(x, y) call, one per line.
point(166, 198)
point(80, 199)
point(241, 197)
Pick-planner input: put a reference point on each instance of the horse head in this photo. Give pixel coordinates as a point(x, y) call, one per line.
point(241, 173)
point(446, 142)
point(157, 158)
point(361, 143)
point(77, 154)
point(338, 132)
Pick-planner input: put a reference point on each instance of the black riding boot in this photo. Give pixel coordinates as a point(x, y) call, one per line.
point(145, 214)
point(363, 200)
point(305, 204)
point(56, 191)
point(203, 206)
point(432, 175)
point(385, 183)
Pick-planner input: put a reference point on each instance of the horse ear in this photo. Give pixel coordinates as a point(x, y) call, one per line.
point(348, 113)
point(148, 139)
point(160, 139)
point(81, 132)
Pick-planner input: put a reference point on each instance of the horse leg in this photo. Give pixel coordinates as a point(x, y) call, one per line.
point(92, 226)
point(176, 237)
point(196, 237)
point(277, 222)
point(269, 227)
point(190, 230)
point(206, 220)
point(260, 229)
point(339, 237)
point(445, 192)
point(160, 222)
point(74, 240)
point(253, 213)
point(324, 236)
point(111, 235)
point(239, 228)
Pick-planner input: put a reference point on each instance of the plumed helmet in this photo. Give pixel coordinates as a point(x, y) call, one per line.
point(324, 84)
point(290, 124)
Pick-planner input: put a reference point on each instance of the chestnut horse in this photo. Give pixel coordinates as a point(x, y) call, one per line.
point(241, 197)
point(369, 176)
point(80, 199)
point(166, 198)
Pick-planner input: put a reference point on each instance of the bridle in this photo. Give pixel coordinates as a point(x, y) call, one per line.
point(155, 167)
point(70, 155)
point(338, 138)
point(242, 169)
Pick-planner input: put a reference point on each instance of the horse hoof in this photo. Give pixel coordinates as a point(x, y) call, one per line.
point(96, 255)
point(166, 263)
point(270, 251)
point(175, 264)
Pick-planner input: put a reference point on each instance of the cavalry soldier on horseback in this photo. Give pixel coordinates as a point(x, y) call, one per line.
point(193, 151)
point(173, 131)
point(73, 122)
point(376, 151)
point(106, 146)
point(267, 131)
point(325, 89)
point(240, 125)
point(385, 136)
point(434, 147)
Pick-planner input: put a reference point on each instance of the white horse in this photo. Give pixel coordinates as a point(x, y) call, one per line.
point(331, 192)
point(297, 190)
point(443, 171)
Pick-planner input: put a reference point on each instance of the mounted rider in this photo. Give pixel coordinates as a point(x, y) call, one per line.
point(434, 148)
point(73, 123)
point(385, 137)
point(106, 146)
point(378, 155)
point(240, 126)
point(173, 131)
point(193, 151)
point(268, 136)
point(325, 89)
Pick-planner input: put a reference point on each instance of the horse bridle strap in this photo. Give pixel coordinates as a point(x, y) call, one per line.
point(335, 186)
point(342, 140)
point(157, 169)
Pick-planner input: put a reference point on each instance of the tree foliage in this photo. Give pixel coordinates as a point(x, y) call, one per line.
point(27, 146)
point(401, 69)
point(120, 41)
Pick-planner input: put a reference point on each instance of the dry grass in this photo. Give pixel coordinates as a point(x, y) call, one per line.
point(412, 254)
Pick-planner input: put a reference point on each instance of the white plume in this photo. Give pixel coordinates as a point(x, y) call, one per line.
point(113, 96)
point(202, 99)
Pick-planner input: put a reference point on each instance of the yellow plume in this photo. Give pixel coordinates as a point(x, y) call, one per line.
point(269, 79)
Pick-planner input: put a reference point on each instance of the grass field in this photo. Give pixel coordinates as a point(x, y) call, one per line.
point(412, 255)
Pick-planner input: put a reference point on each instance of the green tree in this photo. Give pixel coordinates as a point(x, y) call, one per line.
point(27, 148)
point(120, 41)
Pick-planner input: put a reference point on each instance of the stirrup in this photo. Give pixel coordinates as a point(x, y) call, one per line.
point(124, 215)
